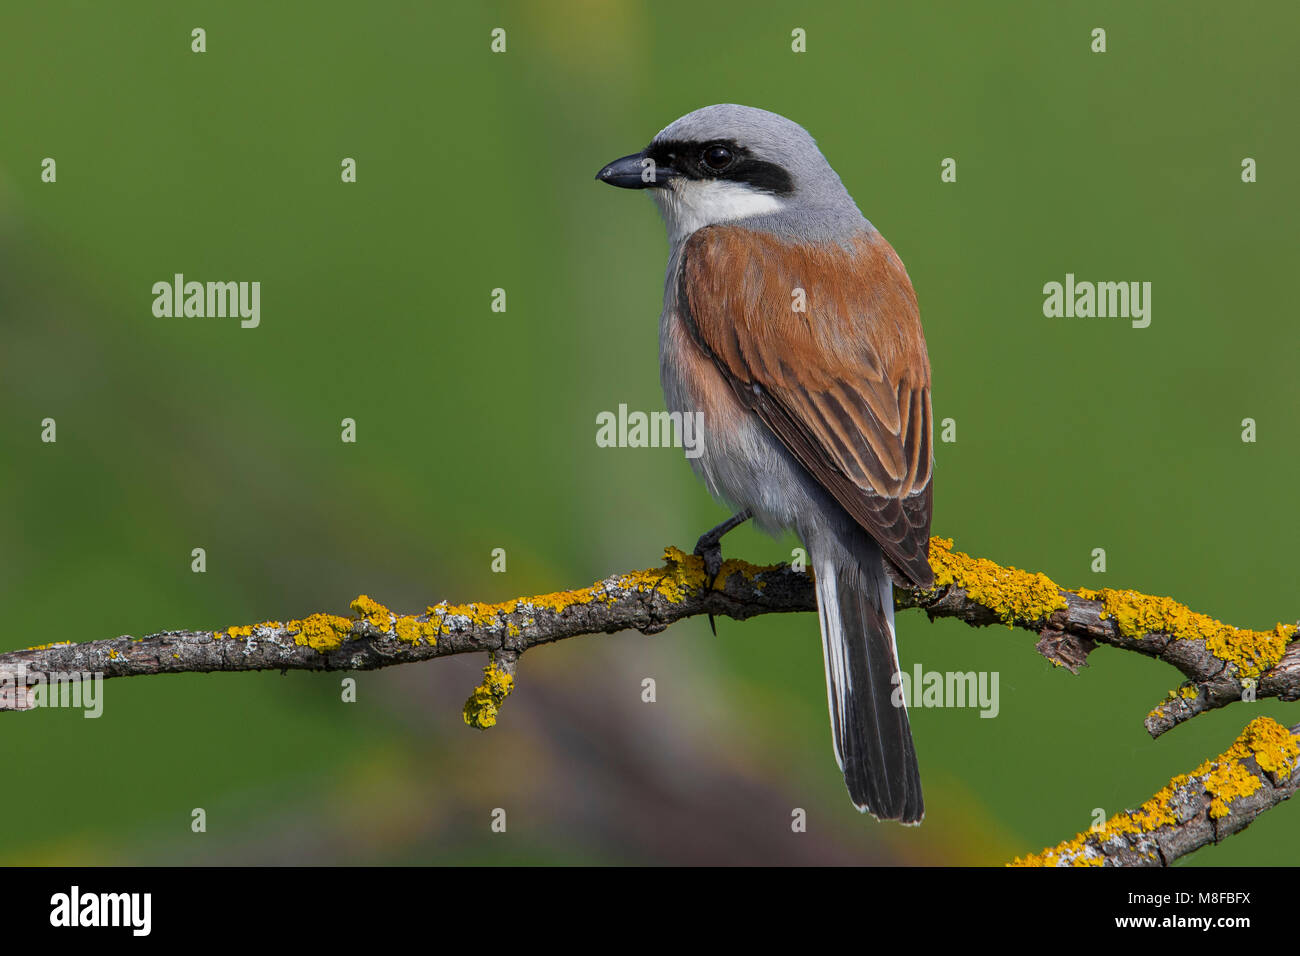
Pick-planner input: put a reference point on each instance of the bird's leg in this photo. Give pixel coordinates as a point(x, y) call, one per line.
point(709, 546)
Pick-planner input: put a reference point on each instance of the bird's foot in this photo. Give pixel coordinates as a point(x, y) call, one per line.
point(709, 547)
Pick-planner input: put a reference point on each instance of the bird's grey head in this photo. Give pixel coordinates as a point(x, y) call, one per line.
point(730, 163)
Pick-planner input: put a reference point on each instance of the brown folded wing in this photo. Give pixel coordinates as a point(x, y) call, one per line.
point(844, 383)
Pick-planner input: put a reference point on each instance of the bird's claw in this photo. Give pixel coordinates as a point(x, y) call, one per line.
point(710, 549)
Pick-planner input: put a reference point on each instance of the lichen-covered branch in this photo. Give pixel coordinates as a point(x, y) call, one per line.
point(374, 637)
point(1221, 663)
point(1219, 798)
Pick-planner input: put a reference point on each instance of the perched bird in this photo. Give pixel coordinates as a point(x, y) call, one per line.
point(791, 324)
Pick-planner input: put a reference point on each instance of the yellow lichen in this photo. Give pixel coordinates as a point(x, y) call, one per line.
point(682, 575)
point(485, 703)
point(1226, 783)
point(412, 630)
point(1138, 615)
point(246, 630)
point(374, 612)
point(1224, 779)
point(324, 632)
point(327, 632)
point(560, 601)
point(1015, 596)
point(478, 613)
point(1276, 749)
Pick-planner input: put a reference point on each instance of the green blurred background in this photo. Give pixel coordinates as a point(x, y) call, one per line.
point(476, 429)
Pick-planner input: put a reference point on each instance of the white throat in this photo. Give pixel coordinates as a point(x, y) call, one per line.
point(688, 205)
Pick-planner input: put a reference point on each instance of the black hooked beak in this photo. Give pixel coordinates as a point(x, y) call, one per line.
point(637, 171)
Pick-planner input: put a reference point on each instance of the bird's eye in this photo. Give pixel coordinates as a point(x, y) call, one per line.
point(717, 158)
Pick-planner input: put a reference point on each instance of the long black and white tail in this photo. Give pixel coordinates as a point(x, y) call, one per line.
point(873, 740)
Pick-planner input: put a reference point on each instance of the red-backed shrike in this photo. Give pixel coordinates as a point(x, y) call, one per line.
point(790, 322)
